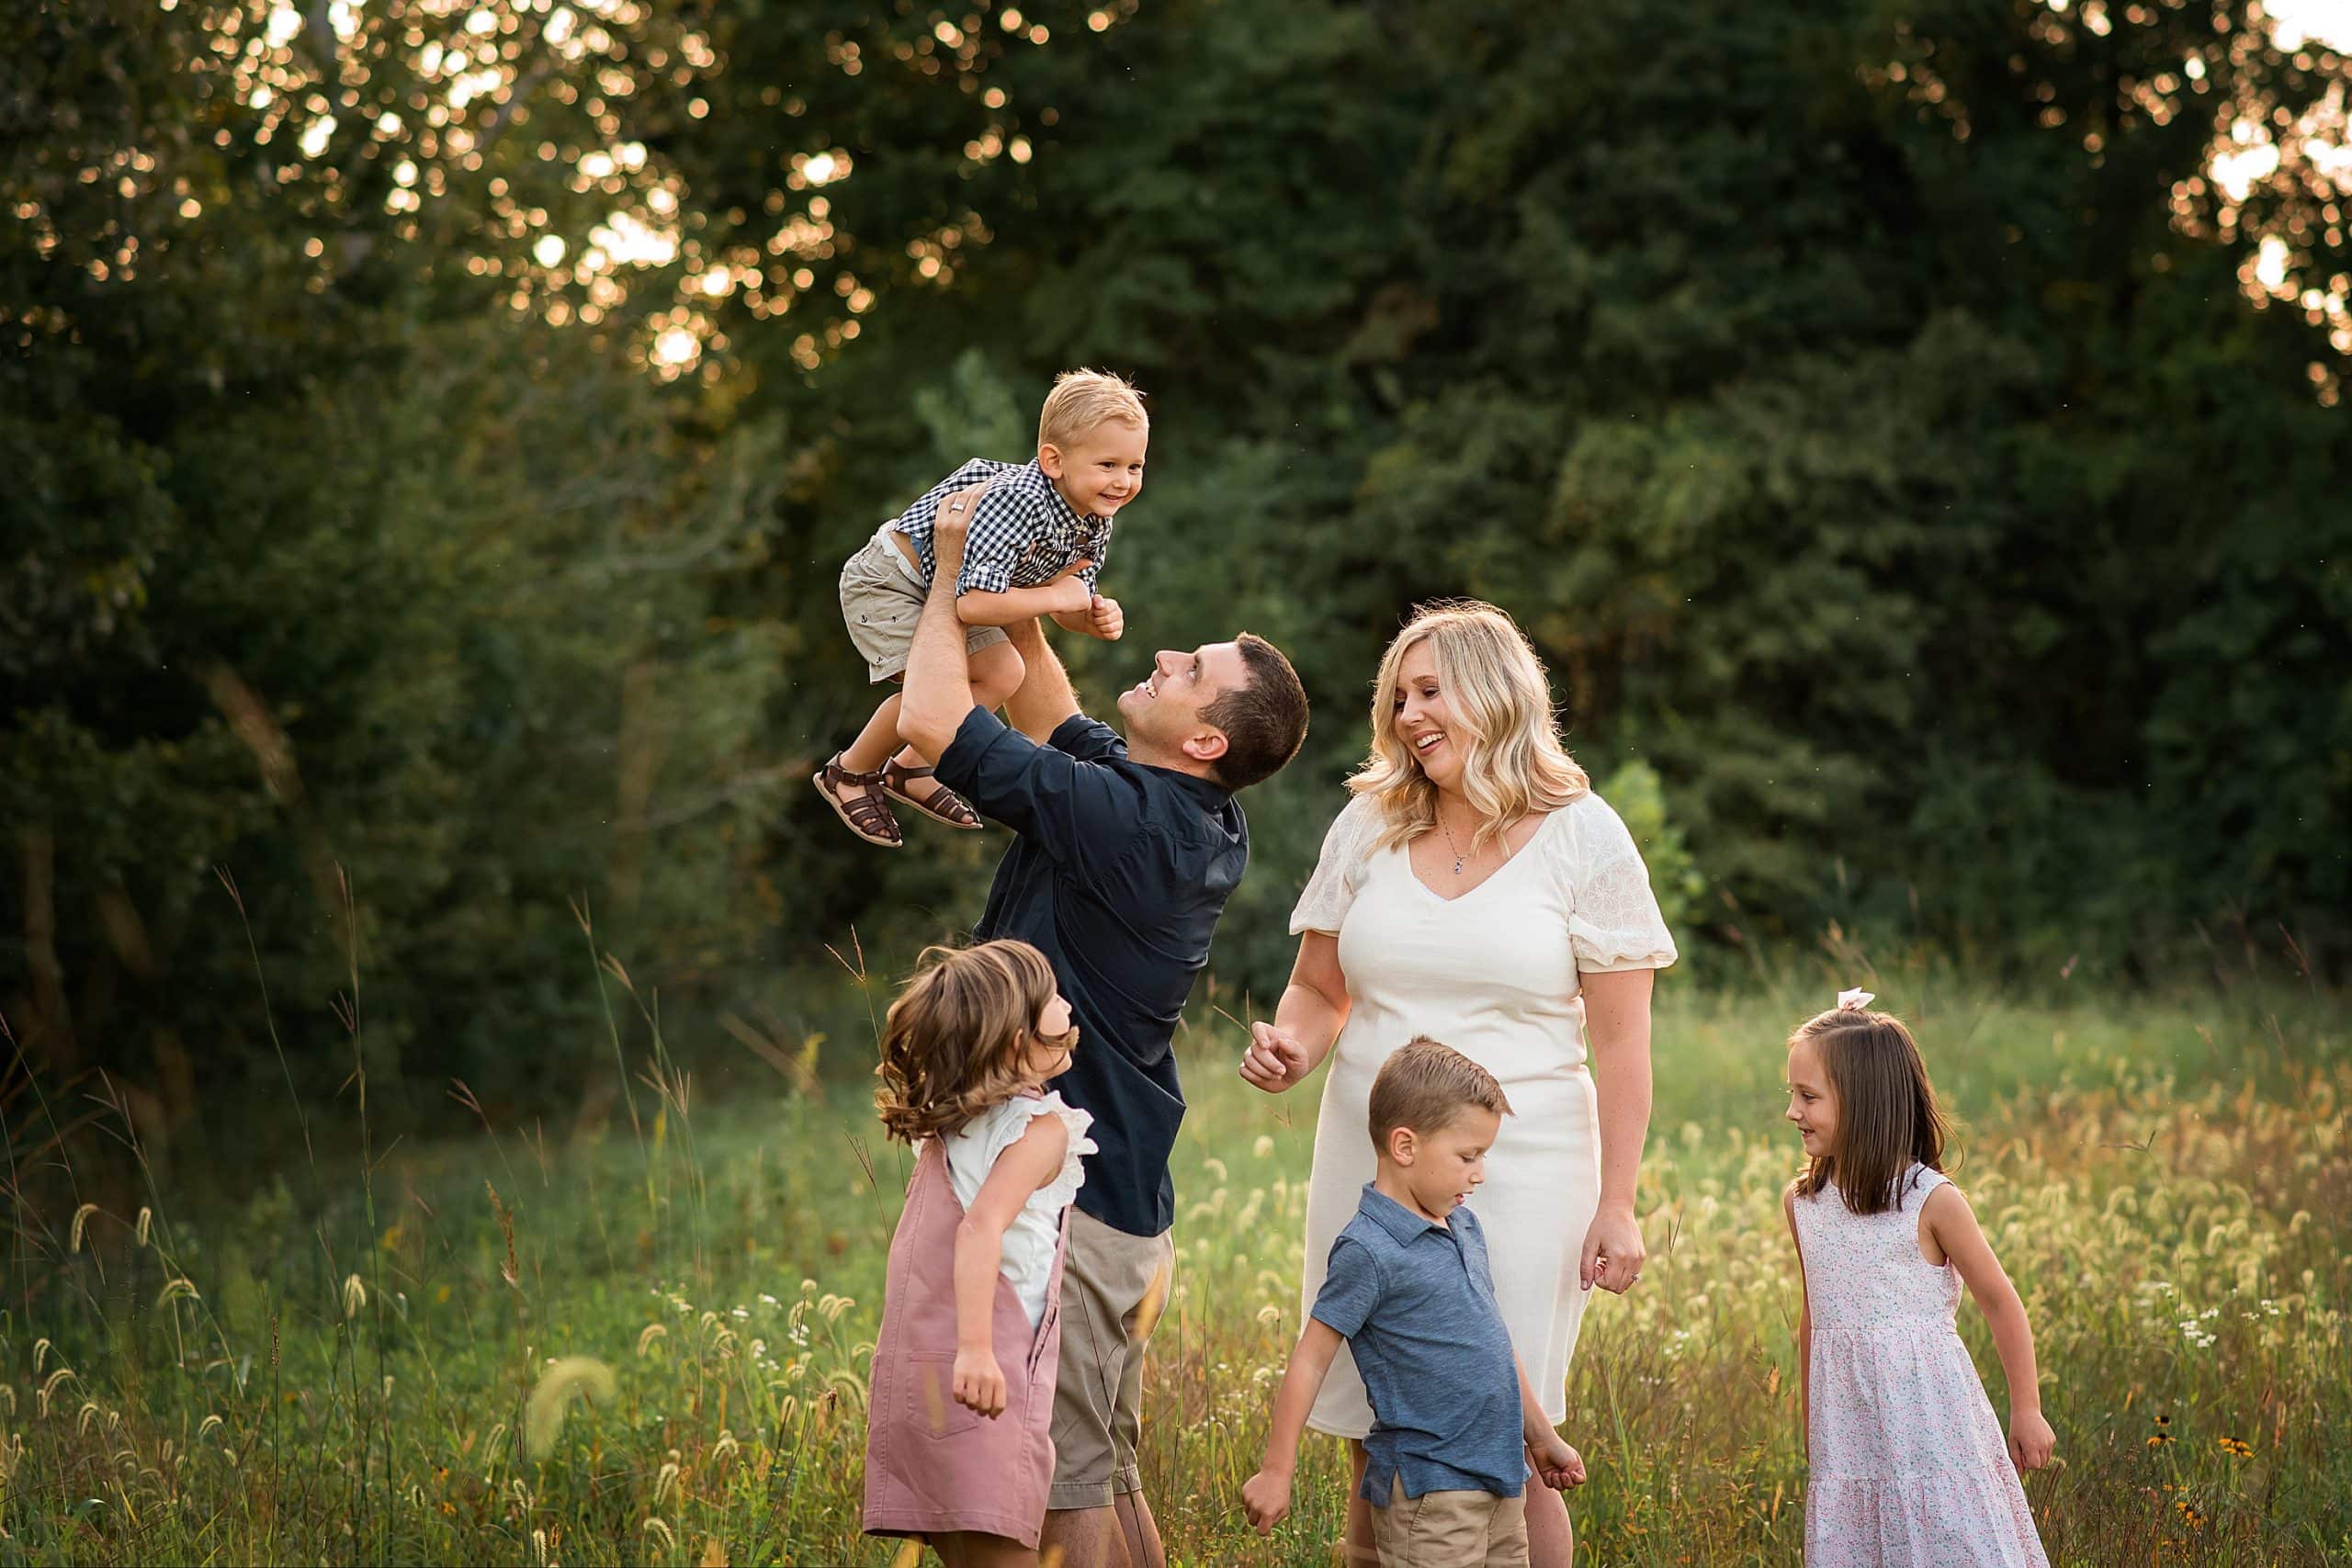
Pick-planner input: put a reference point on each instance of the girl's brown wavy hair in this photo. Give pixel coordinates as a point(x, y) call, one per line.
point(1888, 1117)
point(952, 1043)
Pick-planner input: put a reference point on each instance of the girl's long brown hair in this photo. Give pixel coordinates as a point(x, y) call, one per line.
point(952, 1043)
point(1888, 1117)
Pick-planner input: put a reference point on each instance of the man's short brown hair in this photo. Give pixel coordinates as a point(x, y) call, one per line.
point(1263, 719)
point(1424, 1085)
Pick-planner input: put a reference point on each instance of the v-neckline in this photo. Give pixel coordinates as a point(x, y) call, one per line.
point(1406, 850)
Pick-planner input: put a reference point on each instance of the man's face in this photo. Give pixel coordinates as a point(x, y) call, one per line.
point(1102, 470)
point(1163, 710)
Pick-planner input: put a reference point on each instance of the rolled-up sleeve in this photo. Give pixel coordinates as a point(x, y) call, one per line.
point(1001, 523)
point(1065, 805)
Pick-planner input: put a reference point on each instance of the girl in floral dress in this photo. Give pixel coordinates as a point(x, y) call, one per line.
point(1909, 1467)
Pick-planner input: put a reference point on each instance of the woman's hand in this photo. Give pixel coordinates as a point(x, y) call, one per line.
point(1275, 1061)
point(979, 1383)
point(1557, 1465)
point(1612, 1251)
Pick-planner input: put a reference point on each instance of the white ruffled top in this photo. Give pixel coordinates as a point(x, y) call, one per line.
point(1037, 1229)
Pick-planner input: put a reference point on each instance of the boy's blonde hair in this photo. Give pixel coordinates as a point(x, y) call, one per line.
point(951, 1045)
point(1083, 399)
point(1512, 761)
point(1424, 1085)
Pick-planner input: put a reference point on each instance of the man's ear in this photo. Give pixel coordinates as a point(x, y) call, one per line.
point(1208, 745)
point(1049, 458)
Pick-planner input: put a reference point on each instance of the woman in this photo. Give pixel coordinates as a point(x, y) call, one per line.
point(1477, 890)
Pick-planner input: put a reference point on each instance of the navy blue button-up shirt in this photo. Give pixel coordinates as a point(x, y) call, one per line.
point(1118, 874)
point(1416, 1303)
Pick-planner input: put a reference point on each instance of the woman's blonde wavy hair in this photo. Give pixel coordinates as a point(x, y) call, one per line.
point(951, 1045)
point(1512, 761)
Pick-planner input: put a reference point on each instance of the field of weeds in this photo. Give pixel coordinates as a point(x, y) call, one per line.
point(647, 1341)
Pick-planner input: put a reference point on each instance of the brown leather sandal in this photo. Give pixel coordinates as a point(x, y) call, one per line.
point(942, 804)
point(868, 815)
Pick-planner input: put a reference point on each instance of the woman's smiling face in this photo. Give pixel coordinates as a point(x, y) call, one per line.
point(1426, 724)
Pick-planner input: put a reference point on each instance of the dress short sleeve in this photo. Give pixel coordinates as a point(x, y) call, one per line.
point(1614, 918)
point(1347, 845)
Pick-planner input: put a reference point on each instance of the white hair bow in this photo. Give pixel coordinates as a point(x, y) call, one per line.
point(1856, 1001)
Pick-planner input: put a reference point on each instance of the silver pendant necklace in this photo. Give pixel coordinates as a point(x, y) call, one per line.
point(1458, 856)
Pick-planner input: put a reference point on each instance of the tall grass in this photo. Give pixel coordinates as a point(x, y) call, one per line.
point(654, 1345)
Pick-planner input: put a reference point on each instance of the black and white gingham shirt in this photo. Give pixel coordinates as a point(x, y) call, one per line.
point(1023, 532)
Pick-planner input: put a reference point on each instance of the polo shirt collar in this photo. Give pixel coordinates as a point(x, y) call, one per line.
point(1395, 1218)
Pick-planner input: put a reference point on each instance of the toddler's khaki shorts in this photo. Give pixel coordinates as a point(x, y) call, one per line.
point(880, 605)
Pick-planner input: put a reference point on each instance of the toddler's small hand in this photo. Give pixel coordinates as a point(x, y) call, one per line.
point(2031, 1439)
point(1274, 1061)
point(1110, 621)
point(1267, 1497)
point(1558, 1465)
point(979, 1383)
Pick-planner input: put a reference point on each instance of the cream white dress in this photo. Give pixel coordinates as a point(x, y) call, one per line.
point(1494, 974)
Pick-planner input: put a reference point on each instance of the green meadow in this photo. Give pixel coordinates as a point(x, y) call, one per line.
point(646, 1339)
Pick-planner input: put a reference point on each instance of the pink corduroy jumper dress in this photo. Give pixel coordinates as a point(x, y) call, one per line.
point(933, 1465)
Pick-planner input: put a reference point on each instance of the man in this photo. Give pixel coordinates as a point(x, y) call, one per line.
point(1125, 855)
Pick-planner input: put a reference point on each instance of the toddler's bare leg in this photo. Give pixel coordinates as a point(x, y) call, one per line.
point(873, 744)
point(997, 671)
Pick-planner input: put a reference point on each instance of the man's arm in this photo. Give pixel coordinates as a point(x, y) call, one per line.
point(939, 673)
point(1045, 698)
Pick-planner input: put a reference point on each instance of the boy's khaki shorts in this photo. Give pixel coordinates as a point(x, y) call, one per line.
point(881, 605)
point(1114, 1287)
point(1450, 1529)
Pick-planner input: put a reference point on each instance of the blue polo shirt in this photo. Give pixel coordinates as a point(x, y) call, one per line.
point(1118, 872)
point(1416, 1303)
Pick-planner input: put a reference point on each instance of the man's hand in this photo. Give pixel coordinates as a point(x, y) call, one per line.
point(1266, 1496)
point(1557, 1465)
point(2031, 1439)
point(1274, 1061)
point(953, 520)
point(979, 1383)
point(1105, 619)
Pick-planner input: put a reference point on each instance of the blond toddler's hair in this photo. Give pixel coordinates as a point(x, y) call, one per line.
point(1083, 399)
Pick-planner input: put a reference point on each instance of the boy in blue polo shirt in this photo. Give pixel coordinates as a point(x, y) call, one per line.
point(1453, 1419)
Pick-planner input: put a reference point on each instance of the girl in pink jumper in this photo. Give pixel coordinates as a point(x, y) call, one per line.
point(957, 1444)
point(1908, 1466)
